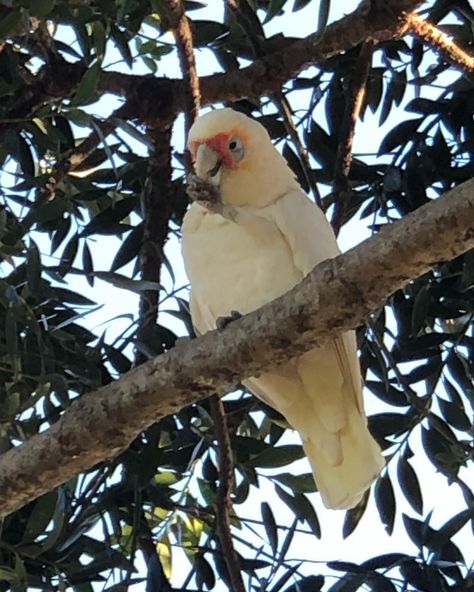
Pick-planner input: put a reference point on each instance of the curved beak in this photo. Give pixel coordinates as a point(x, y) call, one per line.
point(208, 164)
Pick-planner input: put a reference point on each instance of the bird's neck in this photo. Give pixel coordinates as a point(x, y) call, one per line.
point(259, 187)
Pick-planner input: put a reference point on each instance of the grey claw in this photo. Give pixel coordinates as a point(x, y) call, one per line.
point(202, 191)
point(222, 322)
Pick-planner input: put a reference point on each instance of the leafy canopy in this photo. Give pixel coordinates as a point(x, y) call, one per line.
point(78, 190)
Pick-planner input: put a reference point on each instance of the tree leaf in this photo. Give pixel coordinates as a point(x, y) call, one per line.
point(354, 516)
point(399, 135)
point(307, 584)
point(410, 485)
point(129, 249)
point(270, 525)
point(87, 89)
point(279, 456)
point(385, 501)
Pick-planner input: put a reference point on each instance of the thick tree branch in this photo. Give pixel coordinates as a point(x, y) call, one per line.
point(149, 98)
point(440, 42)
point(342, 166)
point(54, 81)
point(339, 294)
point(269, 73)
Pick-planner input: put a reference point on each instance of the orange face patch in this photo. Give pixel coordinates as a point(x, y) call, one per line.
point(220, 144)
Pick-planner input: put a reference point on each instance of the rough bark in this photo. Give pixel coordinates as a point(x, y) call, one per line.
point(440, 42)
point(337, 295)
point(149, 98)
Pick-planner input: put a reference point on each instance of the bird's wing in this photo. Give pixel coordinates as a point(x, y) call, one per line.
point(202, 323)
point(312, 240)
point(306, 230)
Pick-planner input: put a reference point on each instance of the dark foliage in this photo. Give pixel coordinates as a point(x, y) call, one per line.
point(55, 214)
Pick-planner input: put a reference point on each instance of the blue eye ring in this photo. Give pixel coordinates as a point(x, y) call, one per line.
point(236, 148)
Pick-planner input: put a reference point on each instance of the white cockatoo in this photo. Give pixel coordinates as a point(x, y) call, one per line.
point(251, 238)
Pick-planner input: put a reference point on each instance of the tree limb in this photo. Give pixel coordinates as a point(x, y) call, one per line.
point(441, 43)
point(224, 491)
point(149, 98)
point(339, 294)
point(185, 49)
point(157, 208)
point(269, 73)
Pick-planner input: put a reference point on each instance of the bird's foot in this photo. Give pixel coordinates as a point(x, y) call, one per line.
point(208, 196)
point(204, 193)
point(222, 322)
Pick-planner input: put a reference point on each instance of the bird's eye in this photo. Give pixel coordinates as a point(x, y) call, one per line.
point(236, 148)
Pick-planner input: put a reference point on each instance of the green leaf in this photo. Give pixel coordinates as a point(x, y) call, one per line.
point(300, 4)
point(99, 39)
point(40, 517)
point(65, 295)
point(41, 8)
point(409, 484)
point(11, 337)
point(385, 501)
point(125, 283)
point(323, 16)
point(278, 456)
point(270, 525)
point(298, 483)
point(354, 516)
point(88, 264)
point(33, 268)
point(129, 249)
point(274, 8)
point(25, 157)
point(204, 572)
point(8, 574)
point(87, 89)
point(69, 254)
point(10, 21)
point(455, 415)
point(399, 135)
point(301, 508)
point(107, 221)
point(387, 393)
point(119, 361)
point(307, 584)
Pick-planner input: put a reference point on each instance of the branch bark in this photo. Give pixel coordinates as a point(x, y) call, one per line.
point(268, 74)
point(441, 43)
point(185, 49)
point(150, 98)
point(223, 498)
point(339, 294)
point(157, 208)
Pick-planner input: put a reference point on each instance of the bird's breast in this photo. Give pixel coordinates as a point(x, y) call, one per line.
point(237, 266)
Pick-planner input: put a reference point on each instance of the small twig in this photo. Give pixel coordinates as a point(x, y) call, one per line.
point(342, 166)
point(223, 501)
point(284, 109)
point(80, 153)
point(156, 578)
point(185, 48)
point(447, 49)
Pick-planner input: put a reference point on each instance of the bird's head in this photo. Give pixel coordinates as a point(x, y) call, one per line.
point(235, 153)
